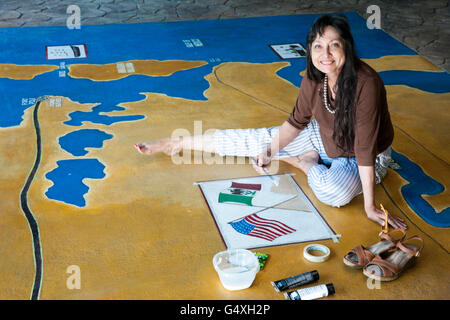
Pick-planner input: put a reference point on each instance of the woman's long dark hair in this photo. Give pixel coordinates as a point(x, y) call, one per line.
point(344, 118)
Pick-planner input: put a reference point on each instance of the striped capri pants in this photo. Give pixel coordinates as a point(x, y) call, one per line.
point(335, 182)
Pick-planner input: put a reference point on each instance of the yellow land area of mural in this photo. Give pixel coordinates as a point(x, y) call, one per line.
point(24, 72)
point(402, 62)
point(119, 70)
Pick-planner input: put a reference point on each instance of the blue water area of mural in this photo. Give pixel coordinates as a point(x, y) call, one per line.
point(236, 40)
point(435, 82)
point(75, 142)
point(68, 178)
point(421, 184)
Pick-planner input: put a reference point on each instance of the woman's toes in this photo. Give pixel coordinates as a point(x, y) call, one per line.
point(142, 148)
point(151, 147)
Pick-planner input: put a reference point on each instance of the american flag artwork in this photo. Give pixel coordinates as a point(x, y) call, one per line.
point(255, 226)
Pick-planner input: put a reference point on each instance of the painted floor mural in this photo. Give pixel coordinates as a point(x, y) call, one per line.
point(74, 192)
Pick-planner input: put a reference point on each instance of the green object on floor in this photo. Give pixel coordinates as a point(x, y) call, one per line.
point(262, 258)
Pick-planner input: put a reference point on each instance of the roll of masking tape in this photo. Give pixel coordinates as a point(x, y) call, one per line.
point(316, 247)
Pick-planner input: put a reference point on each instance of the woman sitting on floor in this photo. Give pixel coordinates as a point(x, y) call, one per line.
point(345, 150)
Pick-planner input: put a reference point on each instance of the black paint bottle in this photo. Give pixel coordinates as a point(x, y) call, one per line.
point(296, 281)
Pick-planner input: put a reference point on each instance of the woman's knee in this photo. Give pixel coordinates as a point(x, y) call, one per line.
point(335, 200)
point(332, 190)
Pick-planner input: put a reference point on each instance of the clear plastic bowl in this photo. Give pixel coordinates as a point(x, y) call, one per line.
point(237, 268)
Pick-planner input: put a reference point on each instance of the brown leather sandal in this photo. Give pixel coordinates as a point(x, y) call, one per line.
point(391, 267)
point(359, 256)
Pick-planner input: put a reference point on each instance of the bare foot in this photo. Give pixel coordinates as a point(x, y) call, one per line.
point(304, 161)
point(293, 161)
point(308, 160)
point(167, 145)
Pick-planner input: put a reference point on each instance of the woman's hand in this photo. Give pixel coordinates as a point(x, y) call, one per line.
point(285, 135)
point(262, 161)
point(367, 175)
point(378, 216)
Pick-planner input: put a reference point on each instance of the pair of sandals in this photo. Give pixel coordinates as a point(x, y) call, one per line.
point(386, 259)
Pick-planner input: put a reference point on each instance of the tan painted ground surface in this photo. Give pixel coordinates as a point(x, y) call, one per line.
point(154, 68)
point(146, 232)
point(24, 72)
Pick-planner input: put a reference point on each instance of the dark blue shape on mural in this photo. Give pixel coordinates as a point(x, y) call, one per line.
point(68, 180)
point(75, 142)
point(419, 184)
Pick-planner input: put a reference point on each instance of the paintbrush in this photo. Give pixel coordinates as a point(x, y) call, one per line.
point(275, 181)
point(386, 219)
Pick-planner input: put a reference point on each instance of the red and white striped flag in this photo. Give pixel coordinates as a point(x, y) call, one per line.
point(255, 226)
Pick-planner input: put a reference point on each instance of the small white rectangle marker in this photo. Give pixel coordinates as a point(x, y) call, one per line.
point(121, 68)
point(130, 67)
point(66, 52)
point(197, 42)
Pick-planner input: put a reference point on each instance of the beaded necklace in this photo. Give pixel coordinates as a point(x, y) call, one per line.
point(325, 96)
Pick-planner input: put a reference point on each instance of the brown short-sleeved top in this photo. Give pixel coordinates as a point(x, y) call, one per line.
point(373, 127)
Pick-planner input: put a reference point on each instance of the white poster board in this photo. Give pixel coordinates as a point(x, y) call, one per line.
point(254, 212)
point(77, 51)
point(289, 50)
